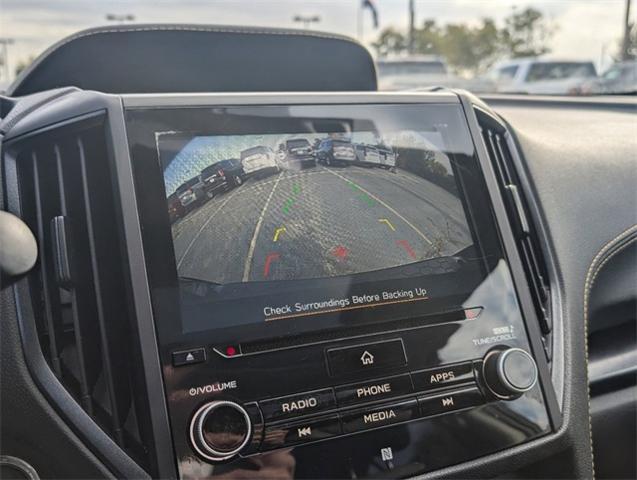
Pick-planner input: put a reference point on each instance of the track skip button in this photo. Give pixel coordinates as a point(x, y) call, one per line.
point(379, 416)
point(285, 435)
point(449, 401)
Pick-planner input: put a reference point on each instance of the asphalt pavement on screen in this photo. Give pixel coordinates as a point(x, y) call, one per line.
point(319, 222)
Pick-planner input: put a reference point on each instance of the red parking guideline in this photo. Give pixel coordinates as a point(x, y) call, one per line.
point(268, 262)
point(340, 251)
point(407, 247)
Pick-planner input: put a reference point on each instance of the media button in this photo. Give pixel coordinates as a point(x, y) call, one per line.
point(443, 376)
point(278, 436)
point(449, 402)
point(372, 390)
point(296, 405)
point(370, 356)
point(382, 416)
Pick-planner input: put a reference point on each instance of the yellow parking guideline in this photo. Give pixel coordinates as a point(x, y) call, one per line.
point(278, 232)
point(384, 220)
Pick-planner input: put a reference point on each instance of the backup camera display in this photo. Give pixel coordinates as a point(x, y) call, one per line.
point(282, 207)
point(266, 221)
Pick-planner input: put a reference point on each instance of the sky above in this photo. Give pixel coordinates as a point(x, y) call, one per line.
point(586, 29)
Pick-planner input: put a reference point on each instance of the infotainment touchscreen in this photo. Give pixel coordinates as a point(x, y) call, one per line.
point(307, 218)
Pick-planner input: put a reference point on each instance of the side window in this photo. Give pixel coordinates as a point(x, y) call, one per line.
point(629, 72)
point(507, 74)
point(589, 70)
point(613, 73)
point(560, 71)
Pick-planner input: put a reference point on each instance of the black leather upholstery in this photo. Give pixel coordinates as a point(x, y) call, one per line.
point(198, 58)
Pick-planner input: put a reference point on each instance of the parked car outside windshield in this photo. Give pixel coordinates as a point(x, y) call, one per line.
point(620, 78)
point(537, 76)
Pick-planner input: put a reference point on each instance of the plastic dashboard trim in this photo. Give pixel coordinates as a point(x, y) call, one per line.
point(557, 333)
point(519, 277)
point(141, 296)
point(96, 440)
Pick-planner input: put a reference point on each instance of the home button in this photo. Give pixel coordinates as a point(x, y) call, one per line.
point(369, 356)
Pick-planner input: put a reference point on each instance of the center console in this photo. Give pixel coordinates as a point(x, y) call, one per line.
point(333, 293)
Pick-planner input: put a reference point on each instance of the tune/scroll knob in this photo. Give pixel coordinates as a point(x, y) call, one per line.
point(510, 372)
point(220, 429)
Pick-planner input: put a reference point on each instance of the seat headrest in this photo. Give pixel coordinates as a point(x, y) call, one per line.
point(199, 58)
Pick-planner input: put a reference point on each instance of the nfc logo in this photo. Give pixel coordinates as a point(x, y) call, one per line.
point(386, 454)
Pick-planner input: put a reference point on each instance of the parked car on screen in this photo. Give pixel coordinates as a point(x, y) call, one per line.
point(191, 193)
point(222, 176)
point(619, 78)
point(367, 155)
point(335, 152)
point(175, 209)
point(259, 161)
point(233, 171)
point(213, 180)
point(387, 157)
point(296, 153)
point(541, 77)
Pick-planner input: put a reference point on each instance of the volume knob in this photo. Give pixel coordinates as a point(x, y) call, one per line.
point(510, 372)
point(220, 429)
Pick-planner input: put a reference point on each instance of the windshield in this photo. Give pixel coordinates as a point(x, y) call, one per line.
point(485, 46)
point(254, 151)
point(560, 71)
point(300, 143)
point(226, 164)
point(212, 169)
point(182, 188)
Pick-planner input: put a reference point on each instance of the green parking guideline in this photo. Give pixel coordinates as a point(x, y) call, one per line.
point(289, 202)
point(362, 195)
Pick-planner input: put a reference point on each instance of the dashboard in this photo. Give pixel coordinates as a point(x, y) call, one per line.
point(319, 285)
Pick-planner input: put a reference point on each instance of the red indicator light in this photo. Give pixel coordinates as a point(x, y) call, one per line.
point(231, 351)
point(471, 313)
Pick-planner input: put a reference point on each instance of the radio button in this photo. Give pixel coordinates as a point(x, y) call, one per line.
point(278, 436)
point(379, 416)
point(360, 358)
point(449, 402)
point(443, 376)
point(296, 405)
point(372, 390)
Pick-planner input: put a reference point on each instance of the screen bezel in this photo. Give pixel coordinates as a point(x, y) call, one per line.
point(142, 123)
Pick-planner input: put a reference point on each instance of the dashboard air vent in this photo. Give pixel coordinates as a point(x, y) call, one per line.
point(500, 148)
point(78, 287)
